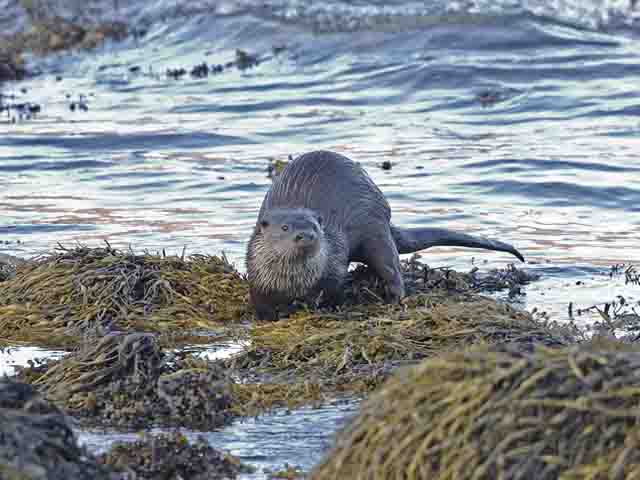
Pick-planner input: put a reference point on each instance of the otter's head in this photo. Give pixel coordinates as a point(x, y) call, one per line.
point(292, 233)
point(288, 252)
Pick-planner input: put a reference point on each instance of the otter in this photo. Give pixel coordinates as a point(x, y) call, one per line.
point(323, 212)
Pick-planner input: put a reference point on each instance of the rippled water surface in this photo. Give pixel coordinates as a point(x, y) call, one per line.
point(515, 120)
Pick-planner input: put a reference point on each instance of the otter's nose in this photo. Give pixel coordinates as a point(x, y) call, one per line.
point(308, 236)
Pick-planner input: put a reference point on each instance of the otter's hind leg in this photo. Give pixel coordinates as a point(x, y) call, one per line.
point(381, 254)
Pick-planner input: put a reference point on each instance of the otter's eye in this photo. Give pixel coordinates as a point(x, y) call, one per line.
point(264, 224)
point(285, 227)
point(319, 220)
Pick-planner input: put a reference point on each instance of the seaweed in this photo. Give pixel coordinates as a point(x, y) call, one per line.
point(172, 457)
point(502, 411)
point(107, 303)
point(314, 356)
point(92, 291)
point(126, 380)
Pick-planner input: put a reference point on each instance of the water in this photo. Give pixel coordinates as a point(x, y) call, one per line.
point(518, 120)
point(284, 437)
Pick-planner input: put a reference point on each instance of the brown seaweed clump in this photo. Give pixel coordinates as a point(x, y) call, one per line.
point(84, 291)
point(315, 356)
point(49, 32)
point(276, 167)
point(510, 278)
point(311, 357)
point(500, 412)
point(288, 472)
point(36, 439)
point(128, 381)
point(172, 457)
point(364, 286)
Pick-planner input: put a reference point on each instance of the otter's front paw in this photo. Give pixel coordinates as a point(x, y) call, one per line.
point(395, 290)
point(265, 309)
point(266, 314)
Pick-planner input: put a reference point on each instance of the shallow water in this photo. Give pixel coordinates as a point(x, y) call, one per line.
point(294, 437)
point(515, 120)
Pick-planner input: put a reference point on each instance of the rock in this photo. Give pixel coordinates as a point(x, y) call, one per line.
point(36, 439)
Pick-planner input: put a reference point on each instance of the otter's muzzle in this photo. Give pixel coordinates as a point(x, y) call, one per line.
point(305, 237)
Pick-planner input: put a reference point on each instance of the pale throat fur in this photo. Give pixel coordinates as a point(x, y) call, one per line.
point(285, 271)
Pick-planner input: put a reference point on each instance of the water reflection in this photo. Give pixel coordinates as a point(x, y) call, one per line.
point(299, 437)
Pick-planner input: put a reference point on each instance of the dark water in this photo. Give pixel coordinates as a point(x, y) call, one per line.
point(515, 120)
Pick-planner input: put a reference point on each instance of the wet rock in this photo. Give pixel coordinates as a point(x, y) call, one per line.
point(50, 33)
point(80, 105)
point(202, 395)
point(200, 71)
point(488, 98)
point(244, 60)
point(22, 111)
point(176, 73)
point(37, 441)
point(173, 457)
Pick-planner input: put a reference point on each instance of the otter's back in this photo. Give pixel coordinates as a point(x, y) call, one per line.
point(334, 186)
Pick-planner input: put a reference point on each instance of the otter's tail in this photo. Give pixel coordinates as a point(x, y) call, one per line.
point(409, 240)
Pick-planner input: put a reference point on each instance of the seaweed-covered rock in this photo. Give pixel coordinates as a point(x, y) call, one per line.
point(127, 381)
point(315, 355)
point(199, 391)
point(173, 457)
point(49, 32)
point(97, 290)
point(510, 277)
point(500, 412)
point(364, 286)
point(36, 439)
